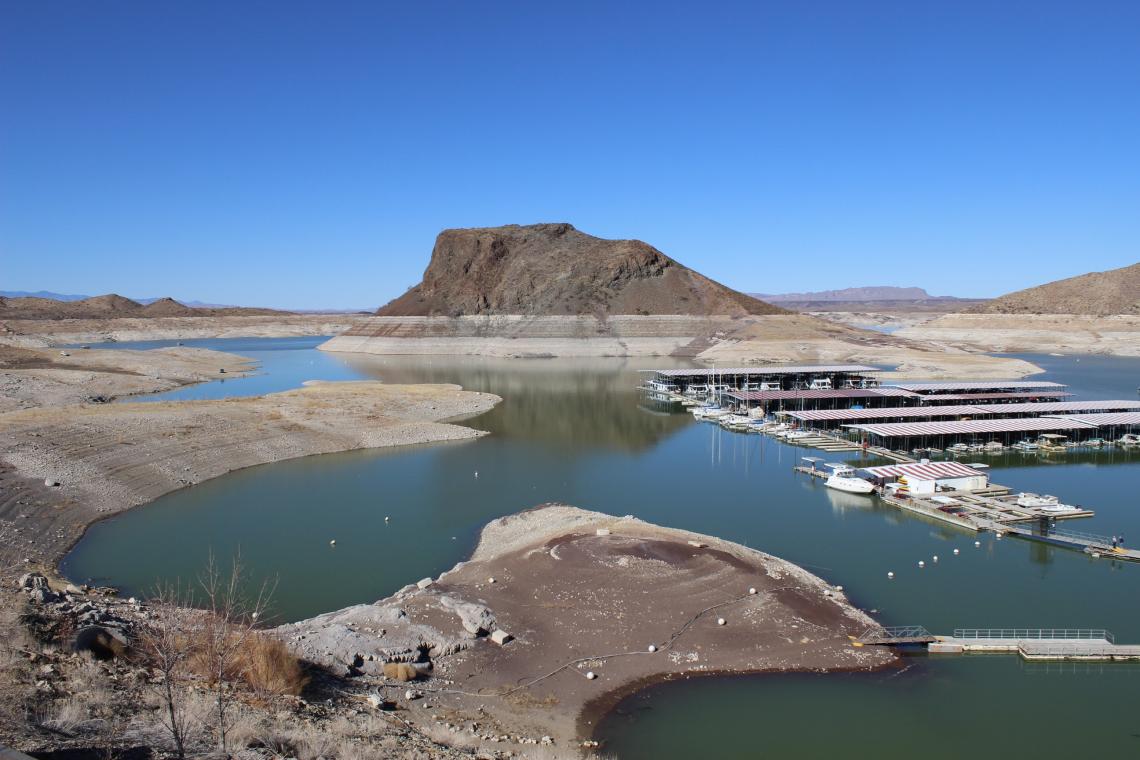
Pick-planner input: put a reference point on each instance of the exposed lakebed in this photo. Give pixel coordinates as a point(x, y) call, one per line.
point(573, 431)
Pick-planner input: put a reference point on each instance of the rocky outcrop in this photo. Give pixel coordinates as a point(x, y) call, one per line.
point(554, 269)
point(1116, 291)
point(559, 611)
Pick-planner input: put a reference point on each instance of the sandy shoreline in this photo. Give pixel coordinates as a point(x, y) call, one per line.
point(1033, 333)
point(723, 341)
point(111, 457)
point(39, 333)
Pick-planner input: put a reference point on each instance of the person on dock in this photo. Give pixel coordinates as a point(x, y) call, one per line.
point(1114, 541)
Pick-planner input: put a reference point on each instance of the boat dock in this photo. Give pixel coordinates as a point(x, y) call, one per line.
point(1090, 543)
point(1069, 644)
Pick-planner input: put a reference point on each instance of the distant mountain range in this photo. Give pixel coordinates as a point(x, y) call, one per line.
point(68, 298)
point(111, 306)
point(870, 293)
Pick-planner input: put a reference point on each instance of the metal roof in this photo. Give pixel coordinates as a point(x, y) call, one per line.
point(884, 413)
point(785, 369)
point(1105, 420)
point(977, 385)
point(925, 471)
point(796, 395)
point(1060, 406)
point(993, 396)
point(996, 425)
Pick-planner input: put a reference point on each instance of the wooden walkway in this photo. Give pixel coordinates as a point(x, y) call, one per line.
point(1091, 544)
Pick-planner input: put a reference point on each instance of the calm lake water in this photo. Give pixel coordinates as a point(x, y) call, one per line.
point(575, 431)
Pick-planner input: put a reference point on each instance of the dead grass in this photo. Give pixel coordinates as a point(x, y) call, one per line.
point(269, 668)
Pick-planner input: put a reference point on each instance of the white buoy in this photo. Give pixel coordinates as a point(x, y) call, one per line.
point(998, 536)
point(652, 647)
point(386, 518)
point(491, 579)
point(890, 574)
point(935, 557)
point(721, 621)
point(921, 563)
point(955, 552)
point(476, 474)
point(751, 591)
point(977, 543)
point(590, 676)
point(332, 543)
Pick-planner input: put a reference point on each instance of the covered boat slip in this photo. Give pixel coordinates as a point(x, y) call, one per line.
point(834, 418)
point(1078, 427)
point(714, 380)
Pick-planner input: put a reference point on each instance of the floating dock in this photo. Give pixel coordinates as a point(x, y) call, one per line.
point(1041, 644)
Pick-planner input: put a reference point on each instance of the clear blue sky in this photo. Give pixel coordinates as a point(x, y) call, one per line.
point(306, 154)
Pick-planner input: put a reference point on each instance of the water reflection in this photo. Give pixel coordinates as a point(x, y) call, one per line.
point(568, 403)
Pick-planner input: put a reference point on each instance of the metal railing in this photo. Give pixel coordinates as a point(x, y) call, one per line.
point(896, 632)
point(1035, 633)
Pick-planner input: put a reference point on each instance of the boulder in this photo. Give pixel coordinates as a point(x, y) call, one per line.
point(476, 619)
point(501, 637)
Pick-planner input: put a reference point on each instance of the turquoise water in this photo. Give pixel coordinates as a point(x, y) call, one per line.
point(574, 431)
point(282, 364)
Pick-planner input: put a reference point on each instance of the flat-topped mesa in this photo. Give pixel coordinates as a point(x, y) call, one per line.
point(554, 269)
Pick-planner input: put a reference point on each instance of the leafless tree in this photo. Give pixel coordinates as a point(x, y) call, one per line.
point(167, 642)
point(229, 623)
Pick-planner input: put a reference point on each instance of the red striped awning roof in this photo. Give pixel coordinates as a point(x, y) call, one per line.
point(971, 397)
point(925, 471)
point(807, 395)
point(973, 427)
point(1106, 420)
point(886, 413)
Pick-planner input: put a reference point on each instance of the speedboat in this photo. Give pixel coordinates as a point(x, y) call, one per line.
point(843, 479)
point(1026, 445)
point(1129, 439)
point(794, 435)
point(849, 484)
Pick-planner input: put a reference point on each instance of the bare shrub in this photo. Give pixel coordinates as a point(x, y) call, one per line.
point(225, 633)
point(68, 716)
point(167, 643)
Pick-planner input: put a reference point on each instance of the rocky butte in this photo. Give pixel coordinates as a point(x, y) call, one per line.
point(546, 290)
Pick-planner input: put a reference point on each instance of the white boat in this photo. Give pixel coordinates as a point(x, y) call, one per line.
point(849, 485)
point(708, 412)
point(794, 435)
point(1048, 504)
point(994, 446)
point(1129, 439)
point(1026, 445)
